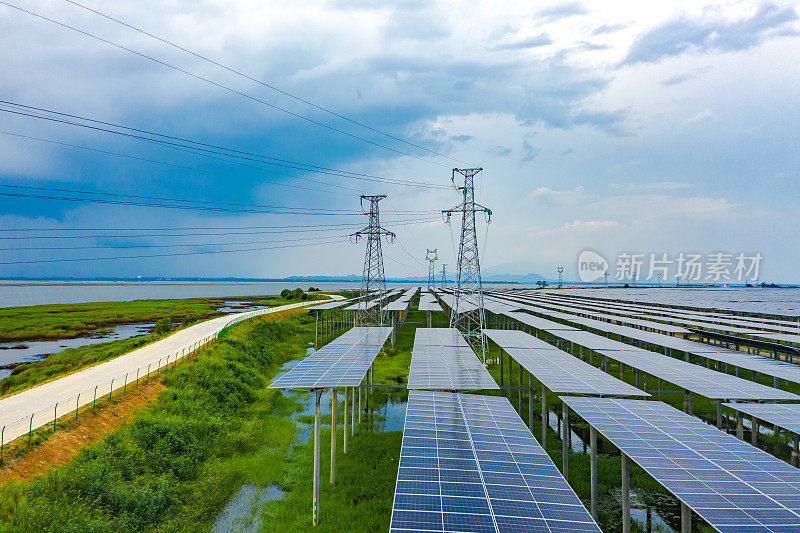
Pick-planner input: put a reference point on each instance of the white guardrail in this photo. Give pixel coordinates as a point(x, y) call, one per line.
point(26, 423)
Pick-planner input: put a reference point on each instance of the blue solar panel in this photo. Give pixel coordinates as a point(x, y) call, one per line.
point(469, 463)
point(733, 486)
point(341, 363)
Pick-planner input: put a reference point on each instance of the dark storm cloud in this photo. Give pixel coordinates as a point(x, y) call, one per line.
point(704, 36)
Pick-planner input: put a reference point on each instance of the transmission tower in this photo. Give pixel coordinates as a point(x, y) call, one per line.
point(468, 313)
point(443, 284)
point(373, 278)
point(560, 277)
point(431, 257)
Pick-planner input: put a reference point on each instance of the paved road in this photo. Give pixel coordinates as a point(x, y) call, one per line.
point(37, 406)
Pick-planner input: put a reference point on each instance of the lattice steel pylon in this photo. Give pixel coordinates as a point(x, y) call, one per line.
point(373, 279)
point(443, 283)
point(431, 257)
point(468, 314)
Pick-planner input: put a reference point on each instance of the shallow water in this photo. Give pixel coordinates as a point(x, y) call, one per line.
point(37, 350)
point(236, 306)
point(242, 513)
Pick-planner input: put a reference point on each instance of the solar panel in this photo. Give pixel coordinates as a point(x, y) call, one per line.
point(341, 363)
point(539, 323)
point(398, 305)
point(330, 305)
point(785, 415)
point(429, 306)
point(733, 486)
point(698, 379)
point(760, 364)
point(469, 463)
point(440, 336)
point(770, 367)
point(558, 371)
point(440, 366)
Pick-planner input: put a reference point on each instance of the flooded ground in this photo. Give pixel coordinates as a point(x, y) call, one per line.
point(242, 513)
point(14, 353)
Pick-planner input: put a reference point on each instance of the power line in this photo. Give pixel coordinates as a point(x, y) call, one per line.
point(146, 231)
point(260, 82)
point(198, 146)
point(203, 252)
point(308, 210)
point(129, 246)
point(216, 84)
point(195, 169)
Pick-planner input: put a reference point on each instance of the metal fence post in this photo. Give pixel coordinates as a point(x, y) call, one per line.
point(55, 416)
point(77, 404)
point(137, 378)
point(111, 389)
point(30, 429)
point(148, 372)
point(125, 386)
point(2, 443)
point(94, 402)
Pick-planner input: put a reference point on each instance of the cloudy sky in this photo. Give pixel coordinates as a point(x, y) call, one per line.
point(616, 126)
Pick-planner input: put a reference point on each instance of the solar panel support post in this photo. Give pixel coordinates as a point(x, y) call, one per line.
point(530, 402)
point(346, 437)
point(360, 408)
point(519, 396)
point(353, 413)
point(795, 449)
point(686, 518)
point(510, 379)
point(334, 409)
point(544, 417)
point(739, 426)
point(754, 431)
point(501, 372)
point(317, 420)
point(719, 414)
point(626, 494)
point(565, 441)
point(593, 468)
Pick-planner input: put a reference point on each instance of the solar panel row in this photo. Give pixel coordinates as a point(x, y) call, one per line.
point(559, 371)
point(733, 486)
point(442, 360)
point(758, 363)
point(469, 463)
point(341, 363)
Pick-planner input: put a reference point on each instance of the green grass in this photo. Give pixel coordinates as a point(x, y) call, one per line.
point(63, 321)
point(361, 499)
point(174, 467)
